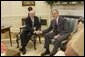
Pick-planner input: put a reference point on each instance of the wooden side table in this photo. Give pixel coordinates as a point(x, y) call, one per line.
point(5, 29)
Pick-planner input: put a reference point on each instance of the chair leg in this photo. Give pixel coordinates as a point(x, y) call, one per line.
point(35, 45)
point(17, 42)
point(39, 39)
point(33, 39)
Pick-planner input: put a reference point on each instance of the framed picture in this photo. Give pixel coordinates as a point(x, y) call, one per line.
point(28, 3)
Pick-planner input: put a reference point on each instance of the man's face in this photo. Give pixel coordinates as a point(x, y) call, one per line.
point(55, 14)
point(32, 14)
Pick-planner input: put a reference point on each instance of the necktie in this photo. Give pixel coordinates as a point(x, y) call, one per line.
point(57, 21)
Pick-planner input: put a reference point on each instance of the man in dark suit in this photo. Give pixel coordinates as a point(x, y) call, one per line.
point(59, 33)
point(32, 24)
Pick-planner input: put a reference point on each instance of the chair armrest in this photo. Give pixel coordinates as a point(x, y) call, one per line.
point(19, 32)
point(71, 35)
point(64, 43)
point(21, 28)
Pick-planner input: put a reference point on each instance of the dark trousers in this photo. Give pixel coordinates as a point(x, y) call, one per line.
point(57, 41)
point(25, 37)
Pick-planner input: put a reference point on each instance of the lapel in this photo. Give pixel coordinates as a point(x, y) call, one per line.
point(34, 21)
point(30, 21)
point(54, 23)
point(58, 22)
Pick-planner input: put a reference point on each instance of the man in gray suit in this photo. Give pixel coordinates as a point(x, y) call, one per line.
point(59, 33)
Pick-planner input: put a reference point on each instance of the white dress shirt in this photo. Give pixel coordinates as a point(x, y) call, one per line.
point(57, 20)
point(32, 21)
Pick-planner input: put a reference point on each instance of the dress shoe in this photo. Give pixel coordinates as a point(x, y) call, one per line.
point(20, 49)
point(52, 54)
point(23, 51)
point(45, 53)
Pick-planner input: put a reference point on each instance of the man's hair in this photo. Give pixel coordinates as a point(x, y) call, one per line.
point(55, 10)
point(30, 8)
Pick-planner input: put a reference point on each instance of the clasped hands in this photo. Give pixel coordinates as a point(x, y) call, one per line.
point(37, 31)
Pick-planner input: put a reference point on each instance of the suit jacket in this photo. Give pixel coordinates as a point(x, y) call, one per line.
point(28, 23)
point(60, 28)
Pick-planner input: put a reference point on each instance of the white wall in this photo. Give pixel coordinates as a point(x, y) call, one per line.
point(75, 9)
point(13, 8)
point(12, 12)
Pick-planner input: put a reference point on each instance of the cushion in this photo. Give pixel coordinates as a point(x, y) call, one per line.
point(72, 24)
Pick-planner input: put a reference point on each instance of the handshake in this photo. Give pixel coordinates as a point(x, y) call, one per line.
point(37, 32)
